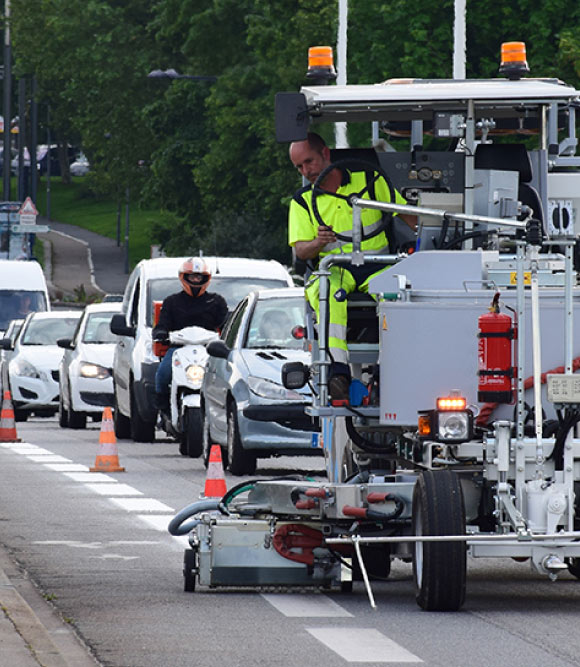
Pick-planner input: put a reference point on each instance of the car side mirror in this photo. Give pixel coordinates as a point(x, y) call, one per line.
point(295, 374)
point(65, 343)
point(217, 348)
point(6, 344)
point(119, 326)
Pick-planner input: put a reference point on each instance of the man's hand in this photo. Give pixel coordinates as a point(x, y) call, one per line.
point(162, 337)
point(311, 249)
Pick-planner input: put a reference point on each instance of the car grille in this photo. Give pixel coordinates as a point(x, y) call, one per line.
point(54, 375)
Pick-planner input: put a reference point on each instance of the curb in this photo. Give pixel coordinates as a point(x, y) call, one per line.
point(45, 638)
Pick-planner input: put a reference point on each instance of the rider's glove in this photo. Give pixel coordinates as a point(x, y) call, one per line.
point(162, 337)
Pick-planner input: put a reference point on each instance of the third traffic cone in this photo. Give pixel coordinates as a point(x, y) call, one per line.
point(7, 425)
point(215, 482)
point(107, 454)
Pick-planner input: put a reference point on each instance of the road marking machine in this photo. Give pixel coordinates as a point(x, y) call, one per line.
point(465, 443)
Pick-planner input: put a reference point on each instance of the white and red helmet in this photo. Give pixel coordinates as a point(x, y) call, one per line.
point(195, 276)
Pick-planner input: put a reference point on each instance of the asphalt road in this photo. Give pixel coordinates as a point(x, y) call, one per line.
point(98, 549)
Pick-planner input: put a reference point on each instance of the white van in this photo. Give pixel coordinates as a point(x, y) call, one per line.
point(134, 364)
point(22, 290)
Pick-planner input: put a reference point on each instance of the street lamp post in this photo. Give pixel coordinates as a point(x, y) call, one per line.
point(7, 99)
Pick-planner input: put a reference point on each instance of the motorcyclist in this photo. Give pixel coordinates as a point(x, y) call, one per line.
point(193, 306)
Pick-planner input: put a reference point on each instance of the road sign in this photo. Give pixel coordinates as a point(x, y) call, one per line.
point(28, 212)
point(29, 229)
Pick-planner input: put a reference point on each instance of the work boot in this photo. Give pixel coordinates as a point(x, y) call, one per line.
point(338, 387)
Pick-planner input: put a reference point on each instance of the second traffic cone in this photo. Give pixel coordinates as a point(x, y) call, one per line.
point(7, 425)
point(107, 453)
point(215, 482)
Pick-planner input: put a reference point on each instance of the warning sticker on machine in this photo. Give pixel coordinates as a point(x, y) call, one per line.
point(527, 278)
point(563, 388)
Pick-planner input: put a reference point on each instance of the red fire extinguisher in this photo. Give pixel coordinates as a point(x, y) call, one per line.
point(496, 371)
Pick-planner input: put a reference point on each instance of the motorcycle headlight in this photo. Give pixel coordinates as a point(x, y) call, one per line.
point(25, 369)
point(88, 370)
point(195, 374)
point(272, 390)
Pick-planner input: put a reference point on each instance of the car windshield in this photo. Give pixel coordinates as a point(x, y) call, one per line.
point(273, 321)
point(16, 304)
point(97, 329)
point(47, 331)
point(232, 288)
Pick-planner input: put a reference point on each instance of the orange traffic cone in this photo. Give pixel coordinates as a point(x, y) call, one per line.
point(215, 482)
point(7, 425)
point(107, 454)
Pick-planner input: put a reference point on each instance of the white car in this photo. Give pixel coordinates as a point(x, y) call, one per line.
point(85, 373)
point(33, 370)
point(81, 166)
point(135, 364)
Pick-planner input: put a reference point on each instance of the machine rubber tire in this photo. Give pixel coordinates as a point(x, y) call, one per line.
point(141, 431)
point(62, 414)
point(189, 570)
point(439, 568)
point(573, 566)
point(122, 423)
point(240, 460)
point(192, 432)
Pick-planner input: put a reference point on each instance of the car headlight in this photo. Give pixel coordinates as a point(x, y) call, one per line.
point(25, 368)
point(273, 390)
point(94, 371)
point(195, 374)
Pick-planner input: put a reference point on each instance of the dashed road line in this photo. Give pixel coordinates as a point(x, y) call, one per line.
point(363, 645)
point(141, 505)
point(306, 606)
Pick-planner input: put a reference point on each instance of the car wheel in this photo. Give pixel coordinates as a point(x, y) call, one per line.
point(122, 423)
point(205, 437)
point(20, 415)
point(141, 431)
point(62, 414)
point(439, 568)
point(192, 434)
point(240, 461)
point(76, 419)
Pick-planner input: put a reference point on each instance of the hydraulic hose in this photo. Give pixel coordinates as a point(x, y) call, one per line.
point(362, 442)
point(176, 525)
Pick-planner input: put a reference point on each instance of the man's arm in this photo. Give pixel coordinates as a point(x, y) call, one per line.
point(311, 249)
point(411, 220)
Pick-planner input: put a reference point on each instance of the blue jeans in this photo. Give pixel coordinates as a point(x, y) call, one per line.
point(163, 375)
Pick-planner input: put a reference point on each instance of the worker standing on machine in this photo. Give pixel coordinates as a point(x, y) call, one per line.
point(312, 240)
point(193, 306)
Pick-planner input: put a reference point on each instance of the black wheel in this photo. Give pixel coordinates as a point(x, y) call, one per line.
point(192, 434)
point(189, 570)
point(76, 419)
point(439, 568)
point(20, 415)
point(62, 414)
point(122, 423)
point(573, 566)
point(240, 461)
point(141, 430)
point(374, 172)
point(205, 437)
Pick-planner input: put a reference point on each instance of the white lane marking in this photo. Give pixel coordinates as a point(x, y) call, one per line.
point(306, 606)
point(160, 522)
point(115, 557)
point(141, 505)
point(30, 449)
point(66, 467)
point(85, 477)
point(362, 645)
point(115, 489)
point(71, 543)
point(48, 458)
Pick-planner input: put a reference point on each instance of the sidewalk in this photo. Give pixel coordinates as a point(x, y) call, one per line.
point(77, 259)
point(31, 631)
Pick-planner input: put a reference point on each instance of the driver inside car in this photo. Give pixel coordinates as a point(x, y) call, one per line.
point(312, 240)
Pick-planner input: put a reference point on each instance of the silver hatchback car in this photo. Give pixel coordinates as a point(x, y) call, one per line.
point(245, 407)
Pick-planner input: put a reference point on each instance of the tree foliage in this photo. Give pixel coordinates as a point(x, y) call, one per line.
point(205, 153)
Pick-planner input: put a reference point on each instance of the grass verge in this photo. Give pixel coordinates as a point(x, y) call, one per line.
point(74, 205)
